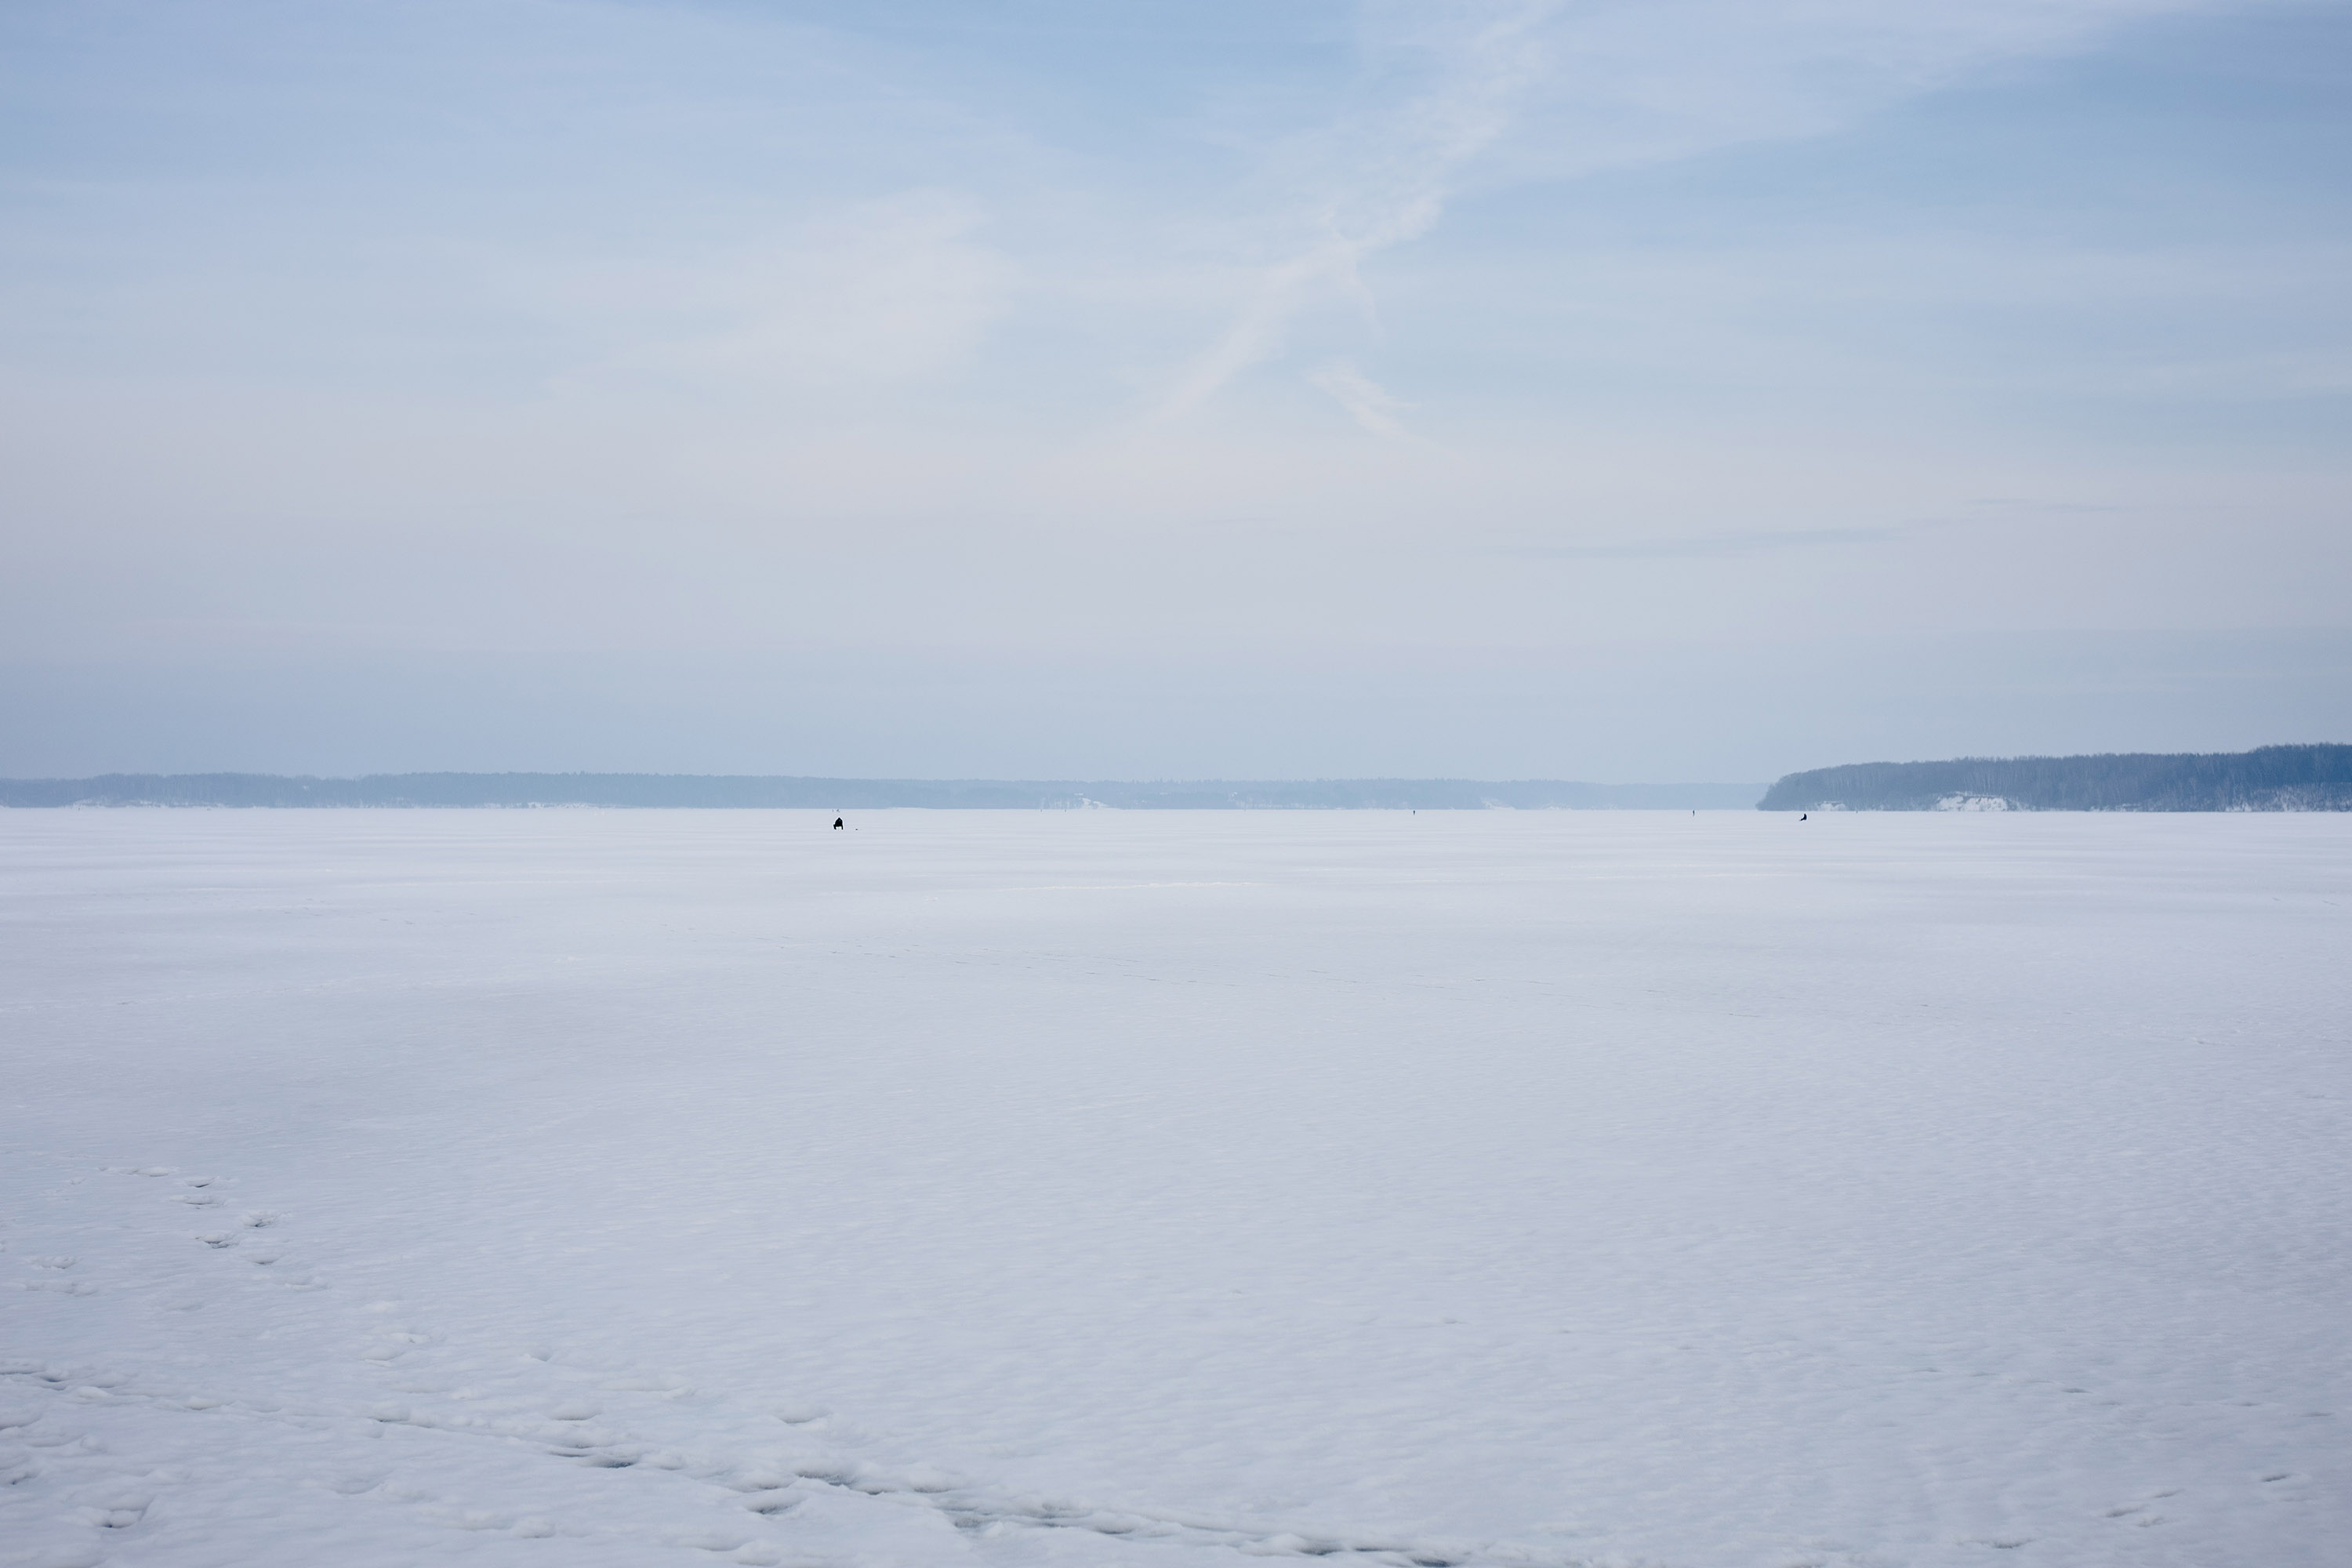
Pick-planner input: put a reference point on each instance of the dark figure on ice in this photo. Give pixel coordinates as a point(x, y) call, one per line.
point(1801, 816)
point(836, 822)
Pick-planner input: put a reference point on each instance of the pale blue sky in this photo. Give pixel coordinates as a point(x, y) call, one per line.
point(1611, 391)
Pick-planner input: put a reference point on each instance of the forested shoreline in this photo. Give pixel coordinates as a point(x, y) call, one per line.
point(2269, 778)
point(728, 790)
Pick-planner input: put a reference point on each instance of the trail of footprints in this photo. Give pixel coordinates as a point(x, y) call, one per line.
point(95, 1491)
point(766, 1491)
point(265, 1251)
point(573, 1429)
point(772, 1487)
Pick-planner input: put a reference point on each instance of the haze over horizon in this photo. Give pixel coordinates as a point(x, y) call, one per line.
point(1688, 391)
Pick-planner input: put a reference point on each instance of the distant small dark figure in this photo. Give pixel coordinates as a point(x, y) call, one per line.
point(1801, 816)
point(837, 822)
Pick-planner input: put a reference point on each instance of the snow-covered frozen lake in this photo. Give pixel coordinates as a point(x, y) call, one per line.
point(1121, 1189)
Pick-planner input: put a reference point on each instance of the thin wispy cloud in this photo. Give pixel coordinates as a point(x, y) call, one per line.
point(1706, 545)
point(1480, 94)
point(892, 293)
point(1367, 402)
point(1391, 171)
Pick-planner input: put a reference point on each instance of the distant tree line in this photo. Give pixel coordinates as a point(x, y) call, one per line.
point(661, 790)
point(2269, 778)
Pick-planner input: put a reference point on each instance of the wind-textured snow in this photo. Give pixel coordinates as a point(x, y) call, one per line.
point(1164, 1190)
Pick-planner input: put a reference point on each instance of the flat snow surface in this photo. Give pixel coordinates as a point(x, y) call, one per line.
point(1143, 1191)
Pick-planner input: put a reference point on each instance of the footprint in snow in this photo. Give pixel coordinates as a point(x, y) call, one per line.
point(712, 1540)
point(114, 1508)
